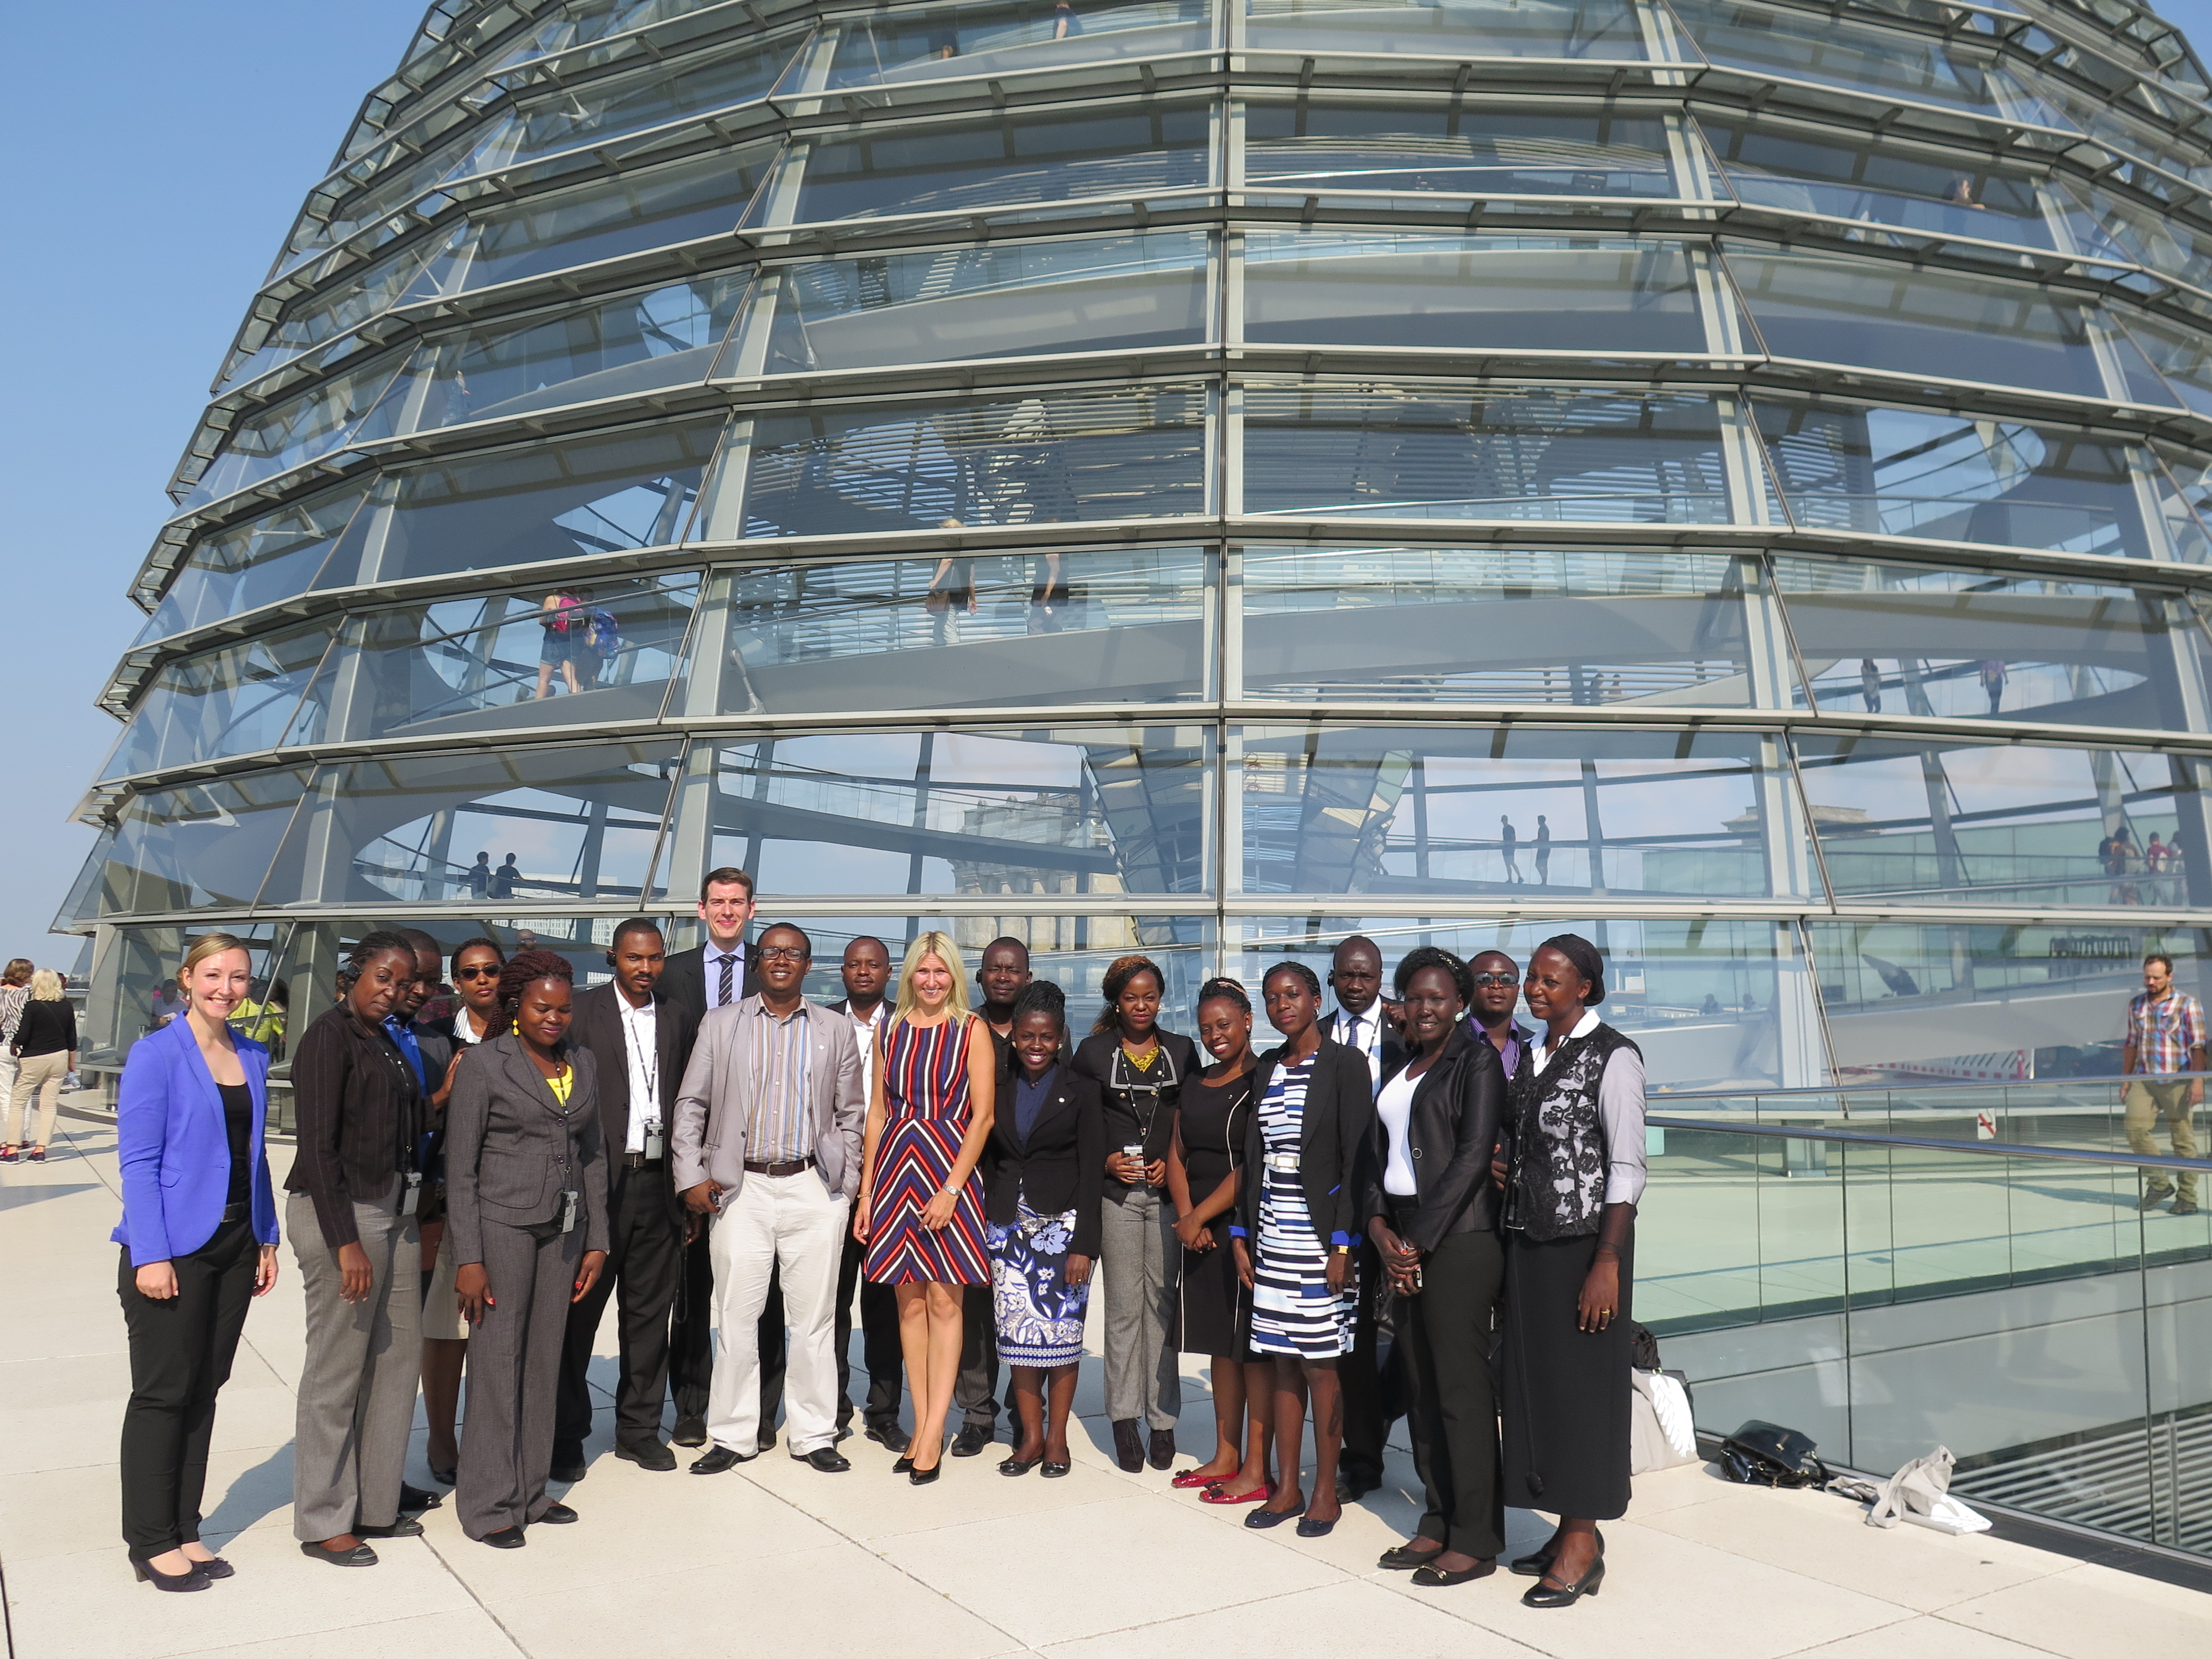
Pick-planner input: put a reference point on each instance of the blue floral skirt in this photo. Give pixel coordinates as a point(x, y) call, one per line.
point(1038, 1313)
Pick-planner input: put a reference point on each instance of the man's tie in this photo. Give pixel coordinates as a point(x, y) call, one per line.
point(729, 969)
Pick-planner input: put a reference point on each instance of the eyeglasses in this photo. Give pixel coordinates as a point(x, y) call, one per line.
point(783, 952)
point(476, 973)
point(1497, 979)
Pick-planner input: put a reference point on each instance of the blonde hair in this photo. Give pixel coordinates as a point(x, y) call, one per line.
point(941, 946)
point(206, 945)
point(45, 986)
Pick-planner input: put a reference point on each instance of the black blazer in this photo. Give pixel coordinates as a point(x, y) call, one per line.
point(358, 1111)
point(1093, 1059)
point(598, 1027)
point(683, 979)
point(1458, 1116)
point(1062, 1164)
point(1333, 1144)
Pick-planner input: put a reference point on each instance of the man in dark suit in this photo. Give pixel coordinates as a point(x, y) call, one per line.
point(642, 1040)
point(713, 975)
point(866, 972)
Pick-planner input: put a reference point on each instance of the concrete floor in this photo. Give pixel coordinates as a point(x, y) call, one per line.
point(775, 1557)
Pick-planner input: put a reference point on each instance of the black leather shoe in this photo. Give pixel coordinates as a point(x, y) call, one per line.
point(1162, 1449)
point(1406, 1559)
point(1260, 1520)
point(506, 1538)
point(359, 1556)
point(1017, 1465)
point(413, 1500)
point(1129, 1444)
point(844, 1430)
point(689, 1431)
point(1052, 1471)
point(889, 1436)
point(1537, 1563)
point(647, 1455)
point(719, 1458)
point(1542, 1596)
point(905, 1466)
point(1439, 1578)
point(568, 1461)
point(405, 1527)
point(1309, 1528)
point(923, 1477)
point(971, 1440)
point(828, 1459)
point(215, 1567)
point(1351, 1488)
point(192, 1579)
point(557, 1515)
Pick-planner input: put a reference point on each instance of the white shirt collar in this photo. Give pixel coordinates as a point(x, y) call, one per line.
point(1583, 1027)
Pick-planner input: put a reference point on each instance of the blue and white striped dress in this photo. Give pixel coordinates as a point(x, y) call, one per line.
point(1292, 1310)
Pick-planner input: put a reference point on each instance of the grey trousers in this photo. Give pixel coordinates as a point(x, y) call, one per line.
point(1142, 1260)
point(514, 1376)
point(364, 1359)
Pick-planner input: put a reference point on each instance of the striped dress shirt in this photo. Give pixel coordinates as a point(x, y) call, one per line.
point(782, 1127)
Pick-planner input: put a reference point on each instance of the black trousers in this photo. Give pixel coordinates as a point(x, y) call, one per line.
point(181, 1354)
point(879, 1342)
point(975, 1390)
point(1443, 1343)
point(645, 1260)
point(1369, 1407)
point(691, 1339)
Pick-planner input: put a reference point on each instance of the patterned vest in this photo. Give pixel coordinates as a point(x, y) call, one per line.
point(1557, 1186)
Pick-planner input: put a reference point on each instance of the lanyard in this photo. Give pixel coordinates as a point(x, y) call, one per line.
point(648, 1055)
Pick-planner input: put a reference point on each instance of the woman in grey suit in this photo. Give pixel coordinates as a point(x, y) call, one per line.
point(526, 1199)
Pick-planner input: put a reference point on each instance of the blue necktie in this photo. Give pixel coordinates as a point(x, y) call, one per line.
point(406, 1038)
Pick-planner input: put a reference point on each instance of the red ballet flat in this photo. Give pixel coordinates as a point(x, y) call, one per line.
point(1190, 1478)
point(1214, 1495)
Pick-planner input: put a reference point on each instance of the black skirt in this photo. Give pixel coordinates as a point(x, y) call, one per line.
point(1564, 1391)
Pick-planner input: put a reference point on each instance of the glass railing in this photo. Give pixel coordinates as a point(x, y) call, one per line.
point(1986, 1266)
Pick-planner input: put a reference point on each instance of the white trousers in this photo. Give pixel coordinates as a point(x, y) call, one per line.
point(797, 1223)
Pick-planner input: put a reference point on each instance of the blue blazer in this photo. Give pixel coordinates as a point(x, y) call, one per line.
point(174, 1152)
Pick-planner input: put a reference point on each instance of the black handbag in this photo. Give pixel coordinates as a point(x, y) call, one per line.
point(1767, 1454)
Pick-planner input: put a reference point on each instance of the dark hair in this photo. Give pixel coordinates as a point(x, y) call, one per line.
point(636, 924)
point(1435, 956)
point(1119, 973)
point(424, 943)
point(1226, 990)
point(723, 878)
point(526, 969)
point(1042, 996)
point(2161, 956)
point(1005, 938)
point(1587, 961)
point(1288, 966)
point(789, 928)
point(366, 949)
point(490, 945)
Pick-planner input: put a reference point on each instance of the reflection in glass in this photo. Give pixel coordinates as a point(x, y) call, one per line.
point(227, 702)
point(1507, 293)
point(2109, 225)
point(1069, 811)
point(1999, 824)
point(560, 117)
point(2182, 361)
point(891, 47)
point(967, 631)
point(574, 656)
point(617, 348)
point(286, 435)
point(1576, 626)
point(1535, 454)
point(554, 501)
point(1325, 146)
point(1061, 457)
point(1909, 320)
point(1905, 640)
point(257, 563)
point(529, 824)
point(134, 992)
point(201, 847)
point(1419, 811)
point(1000, 300)
point(1010, 162)
point(1955, 477)
point(1602, 29)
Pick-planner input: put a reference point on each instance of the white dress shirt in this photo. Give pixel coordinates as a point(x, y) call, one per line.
point(465, 1030)
point(1619, 1110)
point(641, 1046)
point(865, 1030)
point(1364, 1033)
point(714, 965)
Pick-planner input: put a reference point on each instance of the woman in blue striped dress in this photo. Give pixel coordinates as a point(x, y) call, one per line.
point(1296, 1223)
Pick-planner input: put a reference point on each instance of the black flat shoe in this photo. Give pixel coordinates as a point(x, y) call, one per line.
point(719, 1458)
point(890, 1438)
point(557, 1515)
point(405, 1527)
point(192, 1579)
point(648, 1455)
point(413, 1500)
point(1128, 1445)
point(359, 1556)
point(828, 1459)
point(923, 1477)
point(689, 1431)
point(1014, 1465)
point(1052, 1471)
point(1541, 1595)
point(1406, 1559)
point(1260, 1520)
point(1443, 1578)
point(506, 1538)
point(1309, 1528)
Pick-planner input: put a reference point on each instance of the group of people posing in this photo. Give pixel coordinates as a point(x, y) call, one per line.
point(740, 1167)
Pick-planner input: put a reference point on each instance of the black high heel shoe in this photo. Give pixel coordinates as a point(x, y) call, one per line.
point(192, 1579)
point(215, 1567)
point(923, 1477)
point(1537, 1563)
point(1567, 1594)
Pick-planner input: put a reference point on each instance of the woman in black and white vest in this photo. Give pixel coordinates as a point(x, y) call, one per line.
point(1575, 1174)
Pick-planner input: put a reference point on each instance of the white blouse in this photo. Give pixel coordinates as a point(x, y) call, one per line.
point(1394, 1106)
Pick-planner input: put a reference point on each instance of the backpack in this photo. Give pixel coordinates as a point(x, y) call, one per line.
point(604, 632)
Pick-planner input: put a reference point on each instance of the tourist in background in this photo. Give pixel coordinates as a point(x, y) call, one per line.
point(199, 1241)
point(45, 1051)
point(15, 992)
point(2165, 1038)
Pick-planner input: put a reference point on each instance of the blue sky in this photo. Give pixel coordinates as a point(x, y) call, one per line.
point(159, 152)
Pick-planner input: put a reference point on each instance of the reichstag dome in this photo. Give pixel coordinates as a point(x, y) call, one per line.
point(1209, 476)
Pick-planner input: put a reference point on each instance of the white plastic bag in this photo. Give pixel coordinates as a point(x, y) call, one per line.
point(1661, 1433)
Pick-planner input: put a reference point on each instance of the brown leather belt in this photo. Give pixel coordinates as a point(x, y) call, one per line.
point(796, 1166)
point(640, 1161)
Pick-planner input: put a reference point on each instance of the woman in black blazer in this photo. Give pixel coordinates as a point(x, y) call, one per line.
point(1298, 1217)
point(1433, 1214)
point(1048, 1158)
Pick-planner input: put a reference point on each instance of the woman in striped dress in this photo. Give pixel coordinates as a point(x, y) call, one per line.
point(1297, 1220)
point(921, 1209)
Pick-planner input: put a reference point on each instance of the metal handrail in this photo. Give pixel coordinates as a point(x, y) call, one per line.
point(2122, 1079)
point(1925, 1143)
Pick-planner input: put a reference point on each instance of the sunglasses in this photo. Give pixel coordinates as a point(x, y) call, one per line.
point(1497, 979)
point(476, 973)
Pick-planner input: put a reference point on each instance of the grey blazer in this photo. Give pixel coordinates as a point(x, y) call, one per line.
point(512, 1149)
point(715, 1108)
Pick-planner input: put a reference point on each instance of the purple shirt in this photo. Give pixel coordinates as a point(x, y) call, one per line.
point(1516, 1038)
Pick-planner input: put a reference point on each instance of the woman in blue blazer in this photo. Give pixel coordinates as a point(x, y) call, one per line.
point(199, 1243)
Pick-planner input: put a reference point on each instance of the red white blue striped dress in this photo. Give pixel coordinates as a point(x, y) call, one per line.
point(925, 1118)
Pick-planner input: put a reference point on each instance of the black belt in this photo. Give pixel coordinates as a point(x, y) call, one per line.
point(796, 1166)
point(236, 1213)
point(640, 1161)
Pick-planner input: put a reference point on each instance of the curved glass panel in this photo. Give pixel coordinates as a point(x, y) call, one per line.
point(505, 662)
point(1995, 824)
point(889, 47)
point(203, 847)
point(1421, 625)
point(257, 563)
point(1038, 159)
point(551, 823)
point(2181, 356)
point(232, 702)
point(2108, 226)
point(1533, 455)
point(1057, 457)
point(1909, 640)
point(1908, 319)
point(351, 297)
point(555, 501)
point(297, 430)
point(1448, 28)
point(1389, 289)
point(1324, 145)
point(1467, 812)
point(1957, 478)
point(1056, 811)
point(1001, 299)
point(563, 118)
point(617, 348)
point(967, 630)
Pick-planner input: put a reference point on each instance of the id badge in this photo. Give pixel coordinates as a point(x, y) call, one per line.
point(655, 1144)
point(411, 1200)
point(568, 1213)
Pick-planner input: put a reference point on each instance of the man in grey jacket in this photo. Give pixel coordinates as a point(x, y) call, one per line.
point(767, 1139)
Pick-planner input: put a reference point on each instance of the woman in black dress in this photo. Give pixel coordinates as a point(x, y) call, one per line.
point(1211, 1120)
point(1572, 1187)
